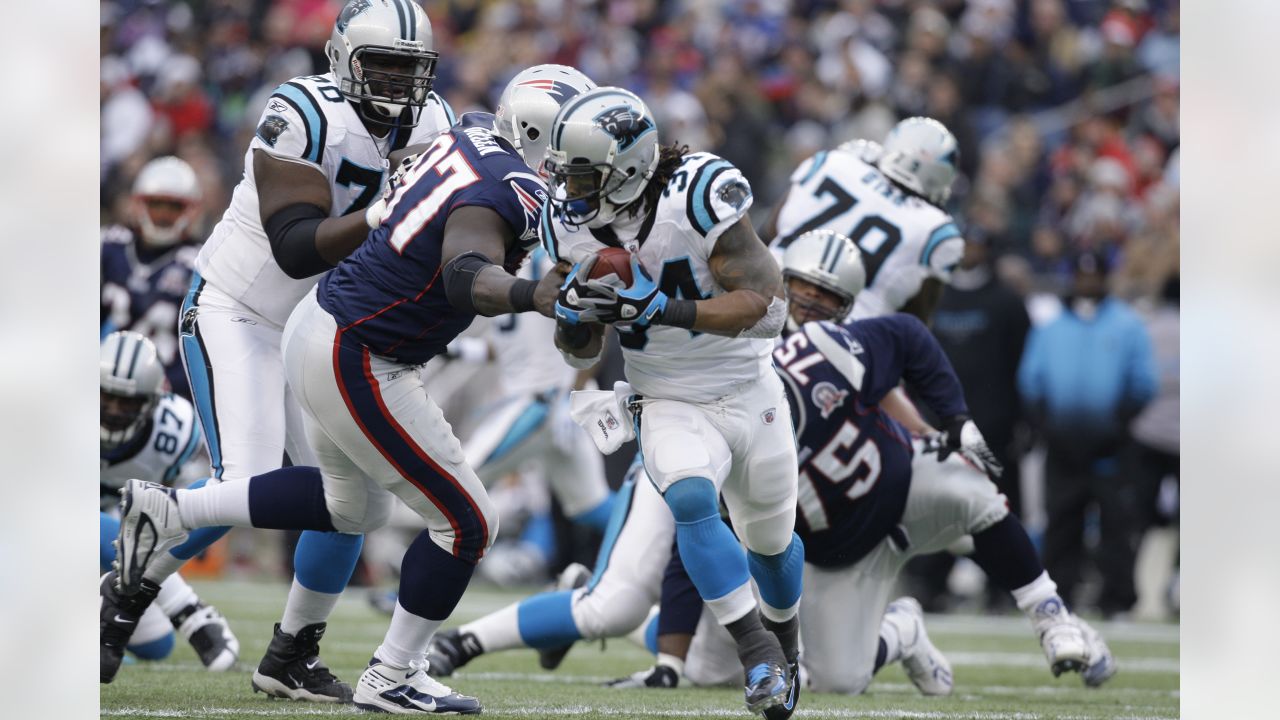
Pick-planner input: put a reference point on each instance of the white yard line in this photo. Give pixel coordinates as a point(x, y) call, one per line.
point(577, 710)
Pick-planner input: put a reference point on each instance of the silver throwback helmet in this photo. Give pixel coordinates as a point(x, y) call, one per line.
point(604, 149)
point(529, 105)
point(921, 155)
point(166, 180)
point(381, 53)
point(130, 380)
point(829, 260)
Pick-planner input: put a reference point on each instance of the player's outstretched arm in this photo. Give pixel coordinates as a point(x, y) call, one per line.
point(293, 201)
point(475, 242)
point(755, 305)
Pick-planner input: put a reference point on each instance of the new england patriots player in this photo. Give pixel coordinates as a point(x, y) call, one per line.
point(463, 218)
point(871, 496)
point(151, 434)
point(317, 159)
point(696, 338)
point(147, 262)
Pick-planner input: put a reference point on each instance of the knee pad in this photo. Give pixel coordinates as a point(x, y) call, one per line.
point(770, 535)
point(606, 615)
point(692, 499)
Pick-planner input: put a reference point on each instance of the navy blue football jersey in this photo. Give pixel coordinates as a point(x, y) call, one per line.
point(142, 291)
point(389, 294)
point(855, 460)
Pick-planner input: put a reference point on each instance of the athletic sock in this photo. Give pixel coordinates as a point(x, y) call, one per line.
point(406, 640)
point(890, 643)
point(755, 644)
point(711, 554)
point(499, 630)
point(780, 579)
point(432, 580)
point(1029, 596)
point(788, 634)
point(306, 607)
point(546, 620)
point(175, 595)
point(224, 503)
point(1006, 555)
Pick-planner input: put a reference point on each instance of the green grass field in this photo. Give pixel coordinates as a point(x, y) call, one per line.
point(999, 670)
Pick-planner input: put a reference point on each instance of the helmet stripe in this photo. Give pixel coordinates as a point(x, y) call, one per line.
point(566, 110)
point(115, 366)
point(133, 363)
point(404, 33)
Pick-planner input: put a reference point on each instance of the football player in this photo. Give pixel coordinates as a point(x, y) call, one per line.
point(318, 158)
point(872, 496)
point(461, 220)
point(151, 434)
point(696, 337)
point(147, 262)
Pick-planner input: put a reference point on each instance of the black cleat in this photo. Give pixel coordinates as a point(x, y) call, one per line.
point(451, 650)
point(117, 619)
point(209, 634)
point(292, 669)
point(658, 676)
point(787, 708)
point(766, 687)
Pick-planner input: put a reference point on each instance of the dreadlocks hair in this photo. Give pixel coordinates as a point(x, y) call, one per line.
point(670, 157)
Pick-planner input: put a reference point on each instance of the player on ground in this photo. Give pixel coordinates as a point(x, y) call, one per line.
point(317, 160)
point(151, 434)
point(871, 497)
point(696, 338)
point(147, 262)
point(467, 209)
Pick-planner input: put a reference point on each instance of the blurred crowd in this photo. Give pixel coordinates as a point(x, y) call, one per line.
point(1066, 111)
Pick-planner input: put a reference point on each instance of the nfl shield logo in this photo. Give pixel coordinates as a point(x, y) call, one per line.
point(768, 416)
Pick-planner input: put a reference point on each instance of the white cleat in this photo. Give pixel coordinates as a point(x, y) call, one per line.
point(924, 664)
point(409, 691)
point(210, 636)
point(1061, 637)
point(1102, 664)
point(149, 525)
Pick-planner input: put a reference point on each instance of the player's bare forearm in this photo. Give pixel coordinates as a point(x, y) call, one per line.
point(742, 265)
point(475, 229)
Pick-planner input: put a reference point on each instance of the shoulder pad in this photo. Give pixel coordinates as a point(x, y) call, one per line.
point(709, 192)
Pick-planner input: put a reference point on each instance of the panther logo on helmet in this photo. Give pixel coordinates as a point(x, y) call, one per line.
point(350, 12)
point(624, 124)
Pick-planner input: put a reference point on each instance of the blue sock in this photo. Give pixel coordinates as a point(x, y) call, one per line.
point(540, 532)
point(154, 650)
point(546, 620)
point(432, 580)
point(324, 561)
point(779, 577)
point(290, 498)
point(711, 555)
point(108, 529)
point(200, 539)
point(1006, 555)
point(598, 516)
point(651, 635)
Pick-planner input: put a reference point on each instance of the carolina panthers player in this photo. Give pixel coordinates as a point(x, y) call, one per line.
point(463, 218)
point(871, 496)
point(147, 262)
point(696, 337)
point(531, 422)
point(151, 434)
point(317, 159)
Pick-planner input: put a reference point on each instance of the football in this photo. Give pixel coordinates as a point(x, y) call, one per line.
point(615, 262)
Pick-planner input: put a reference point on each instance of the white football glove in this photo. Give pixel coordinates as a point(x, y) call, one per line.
point(963, 436)
point(377, 210)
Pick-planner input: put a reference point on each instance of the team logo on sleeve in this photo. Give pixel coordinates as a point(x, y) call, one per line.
point(531, 204)
point(827, 398)
point(735, 193)
point(271, 128)
point(624, 124)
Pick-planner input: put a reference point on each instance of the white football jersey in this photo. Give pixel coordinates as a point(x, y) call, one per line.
point(306, 120)
point(172, 450)
point(904, 239)
point(524, 343)
point(704, 198)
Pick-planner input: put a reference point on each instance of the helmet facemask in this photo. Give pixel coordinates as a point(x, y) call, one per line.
point(587, 187)
point(813, 300)
point(175, 218)
point(386, 81)
point(122, 417)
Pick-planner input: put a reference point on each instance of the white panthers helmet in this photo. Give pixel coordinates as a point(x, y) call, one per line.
point(381, 52)
point(130, 379)
point(529, 105)
point(921, 155)
point(604, 148)
point(166, 180)
point(829, 260)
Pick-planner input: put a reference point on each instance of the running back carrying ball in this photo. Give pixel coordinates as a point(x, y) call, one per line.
point(612, 261)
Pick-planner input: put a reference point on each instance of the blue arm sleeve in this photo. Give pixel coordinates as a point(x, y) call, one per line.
point(901, 348)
